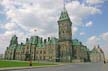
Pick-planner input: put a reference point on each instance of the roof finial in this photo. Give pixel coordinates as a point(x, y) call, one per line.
point(64, 4)
point(98, 46)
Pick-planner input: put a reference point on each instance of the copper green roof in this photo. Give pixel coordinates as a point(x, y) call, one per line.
point(53, 40)
point(84, 48)
point(64, 15)
point(27, 40)
point(33, 40)
point(19, 47)
point(76, 42)
point(13, 40)
point(12, 47)
point(39, 45)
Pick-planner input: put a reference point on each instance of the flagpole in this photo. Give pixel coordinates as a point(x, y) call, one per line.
point(64, 4)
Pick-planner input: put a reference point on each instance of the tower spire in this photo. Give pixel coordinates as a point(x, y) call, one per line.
point(64, 4)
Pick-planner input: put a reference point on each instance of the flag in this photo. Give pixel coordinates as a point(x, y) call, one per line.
point(35, 30)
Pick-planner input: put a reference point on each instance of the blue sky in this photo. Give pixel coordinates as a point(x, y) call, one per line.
point(99, 23)
point(22, 17)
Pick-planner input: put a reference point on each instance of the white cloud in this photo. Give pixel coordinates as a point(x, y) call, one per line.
point(26, 15)
point(32, 17)
point(82, 33)
point(94, 1)
point(74, 30)
point(79, 11)
point(105, 36)
point(4, 41)
point(92, 38)
point(91, 41)
point(89, 24)
point(10, 26)
point(6, 37)
point(101, 39)
point(9, 33)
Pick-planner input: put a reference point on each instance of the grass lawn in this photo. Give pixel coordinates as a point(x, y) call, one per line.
point(21, 64)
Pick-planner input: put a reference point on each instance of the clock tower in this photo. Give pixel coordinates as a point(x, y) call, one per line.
point(65, 37)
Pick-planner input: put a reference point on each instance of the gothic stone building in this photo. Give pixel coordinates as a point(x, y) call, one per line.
point(63, 49)
point(97, 54)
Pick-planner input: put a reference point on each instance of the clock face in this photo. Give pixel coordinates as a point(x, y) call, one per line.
point(63, 26)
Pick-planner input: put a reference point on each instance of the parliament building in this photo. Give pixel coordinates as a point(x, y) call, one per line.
point(62, 49)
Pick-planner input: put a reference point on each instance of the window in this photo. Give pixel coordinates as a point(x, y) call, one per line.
point(44, 57)
point(63, 31)
point(40, 52)
point(37, 52)
point(27, 47)
point(44, 52)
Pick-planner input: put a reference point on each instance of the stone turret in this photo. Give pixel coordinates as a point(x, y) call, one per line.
point(41, 40)
point(48, 38)
point(22, 44)
point(27, 41)
point(45, 41)
point(97, 55)
point(14, 40)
